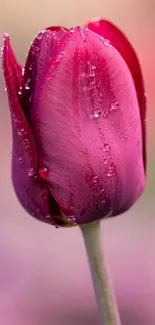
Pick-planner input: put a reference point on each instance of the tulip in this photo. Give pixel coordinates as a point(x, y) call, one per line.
point(78, 122)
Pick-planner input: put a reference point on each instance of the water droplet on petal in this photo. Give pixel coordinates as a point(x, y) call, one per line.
point(15, 119)
point(43, 172)
point(22, 131)
point(105, 161)
point(94, 180)
point(30, 67)
point(30, 171)
point(92, 69)
point(72, 218)
point(120, 136)
point(27, 87)
point(20, 91)
point(107, 147)
point(106, 42)
point(114, 106)
point(36, 48)
point(125, 135)
point(20, 159)
point(86, 30)
point(102, 191)
point(23, 71)
point(92, 85)
point(105, 113)
point(72, 30)
point(96, 113)
point(111, 170)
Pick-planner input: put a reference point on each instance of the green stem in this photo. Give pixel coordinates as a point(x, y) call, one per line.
point(106, 302)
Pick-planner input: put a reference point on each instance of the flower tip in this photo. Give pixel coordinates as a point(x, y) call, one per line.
point(5, 40)
point(5, 43)
point(5, 36)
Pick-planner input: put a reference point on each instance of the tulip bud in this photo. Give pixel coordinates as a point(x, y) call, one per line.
point(78, 123)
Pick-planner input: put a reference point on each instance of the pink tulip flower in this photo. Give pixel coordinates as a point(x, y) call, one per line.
point(78, 123)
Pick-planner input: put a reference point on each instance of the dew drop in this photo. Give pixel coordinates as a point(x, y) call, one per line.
point(96, 113)
point(61, 53)
point(43, 172)
point(120, 136)
point(100, 94)
point(27, 87)
point(5, 89)
point(114, 106)
point(22, 130)
point(20, 91)
point(111, 170)
point(26, 141)
point(94, 180)
point(86, 30)
point(72, 30)
point(92, 69)
point(125, 135)
point(105, 113)
point(23, 71)
point(107, 147)
point(36, 48)
point(105, 161)
point(91, 84)
point(101, 193)
point(20, 159)
point(15, 118)
point(106, 42)
point(72, 218)
point(30, 171)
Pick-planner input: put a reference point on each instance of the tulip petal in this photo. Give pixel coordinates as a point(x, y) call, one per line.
point(42, 51)
point(110, 32)
point(30, 190)
point(88, 133)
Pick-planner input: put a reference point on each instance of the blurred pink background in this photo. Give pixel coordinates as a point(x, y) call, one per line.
point(44, 275)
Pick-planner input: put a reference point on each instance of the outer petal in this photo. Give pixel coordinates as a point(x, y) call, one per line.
point(89, 132)
point(121, 43)
point(30, 190)
point(42, 51)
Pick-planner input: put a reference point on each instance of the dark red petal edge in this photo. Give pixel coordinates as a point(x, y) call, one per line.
point(109, 31)
point(30, 190)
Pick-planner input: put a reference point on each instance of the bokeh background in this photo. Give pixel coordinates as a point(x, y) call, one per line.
point(44, 275)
